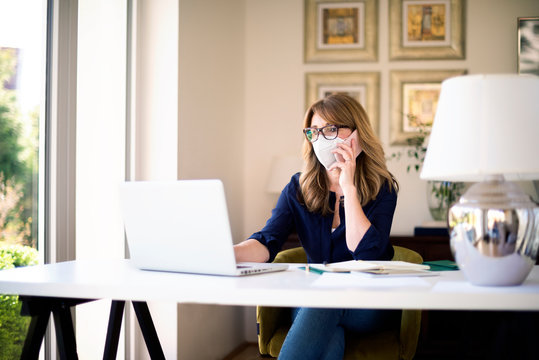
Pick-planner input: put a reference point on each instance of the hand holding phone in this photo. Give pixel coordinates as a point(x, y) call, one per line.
point(348, 141)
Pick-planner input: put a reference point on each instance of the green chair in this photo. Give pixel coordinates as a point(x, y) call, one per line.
point(274, 322)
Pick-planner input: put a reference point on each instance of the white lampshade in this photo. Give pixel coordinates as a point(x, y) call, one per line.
point(282, 169)
point(485, 125)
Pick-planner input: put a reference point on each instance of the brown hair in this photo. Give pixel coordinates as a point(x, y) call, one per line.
point(371, 170)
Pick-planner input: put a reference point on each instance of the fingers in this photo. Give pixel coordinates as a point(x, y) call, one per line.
point(344, 153)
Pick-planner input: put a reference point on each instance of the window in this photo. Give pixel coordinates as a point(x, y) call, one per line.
point(22, 83)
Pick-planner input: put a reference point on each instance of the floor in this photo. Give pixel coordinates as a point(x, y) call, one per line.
point(247, 351)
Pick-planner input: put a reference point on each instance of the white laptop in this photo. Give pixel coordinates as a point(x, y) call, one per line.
point(182, 226)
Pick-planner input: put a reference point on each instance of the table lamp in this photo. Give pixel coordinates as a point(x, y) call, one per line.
point(486, 130)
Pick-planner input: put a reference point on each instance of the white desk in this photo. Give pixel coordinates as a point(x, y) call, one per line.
point(118, 280)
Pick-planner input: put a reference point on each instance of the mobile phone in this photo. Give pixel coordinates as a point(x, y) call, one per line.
point(354, 135)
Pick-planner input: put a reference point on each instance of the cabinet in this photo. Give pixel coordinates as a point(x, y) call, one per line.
point(429, 247)
point(474, 335)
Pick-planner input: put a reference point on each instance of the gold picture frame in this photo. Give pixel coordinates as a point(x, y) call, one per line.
point(426, 29)
point(341, 30)
point(528, 45)
point(414, 96)
point(363, 86)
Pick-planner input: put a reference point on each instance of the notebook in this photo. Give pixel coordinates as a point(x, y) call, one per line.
point(182, 226)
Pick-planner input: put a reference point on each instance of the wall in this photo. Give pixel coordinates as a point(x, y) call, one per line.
point(275, 89)
point(153, 135)
point(274, 100)
point(100, 152)
point(210, 135)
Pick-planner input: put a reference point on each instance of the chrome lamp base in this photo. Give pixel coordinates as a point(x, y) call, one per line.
point(494, 230)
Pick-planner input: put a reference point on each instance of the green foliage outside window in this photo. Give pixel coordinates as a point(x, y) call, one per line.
point(13, 326)
point(18, 161)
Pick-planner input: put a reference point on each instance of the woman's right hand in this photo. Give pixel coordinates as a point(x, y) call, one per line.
point(251, 250)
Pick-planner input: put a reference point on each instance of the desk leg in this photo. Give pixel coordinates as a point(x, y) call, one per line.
point(148, 330)
point(36, 330)
point(40, 308)
point(67, 346)
point(113, 331)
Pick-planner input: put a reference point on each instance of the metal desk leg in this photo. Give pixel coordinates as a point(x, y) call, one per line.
point(40, 308)
point(148, 330)
point(37, 328)
point(67, 346)
point(113, 331)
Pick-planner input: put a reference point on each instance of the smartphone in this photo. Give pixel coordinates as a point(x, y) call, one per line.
point(354, 135)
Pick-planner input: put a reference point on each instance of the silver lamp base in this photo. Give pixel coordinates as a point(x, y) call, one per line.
point(494, 232)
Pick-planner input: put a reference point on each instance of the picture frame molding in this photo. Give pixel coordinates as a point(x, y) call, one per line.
point(314, 54)
point(370, 79)
point(398, 78)
point(454, 50)
point(519, 37)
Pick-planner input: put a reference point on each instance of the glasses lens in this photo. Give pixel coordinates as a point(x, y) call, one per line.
point(311, 134)
point(330, 132)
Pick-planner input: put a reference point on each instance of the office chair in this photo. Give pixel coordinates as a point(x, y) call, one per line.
point(274, 322)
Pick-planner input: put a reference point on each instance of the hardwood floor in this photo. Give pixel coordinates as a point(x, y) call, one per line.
point(247, 351)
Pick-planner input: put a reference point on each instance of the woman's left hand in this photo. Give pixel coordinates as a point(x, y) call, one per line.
point(346, 163)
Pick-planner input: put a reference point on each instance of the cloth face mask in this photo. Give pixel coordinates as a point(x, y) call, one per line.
point(323, 149)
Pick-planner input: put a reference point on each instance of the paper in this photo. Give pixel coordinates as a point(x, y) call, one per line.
point(393, 273)
point(337, 280)
point(372, 266)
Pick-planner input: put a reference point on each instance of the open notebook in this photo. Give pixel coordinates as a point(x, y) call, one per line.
point(182, 226)
point(376, 267)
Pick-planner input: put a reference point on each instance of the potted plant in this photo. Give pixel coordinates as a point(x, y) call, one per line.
point(440, 194)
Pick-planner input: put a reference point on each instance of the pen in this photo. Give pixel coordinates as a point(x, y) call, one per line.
point(309, 269)
point(316, 271)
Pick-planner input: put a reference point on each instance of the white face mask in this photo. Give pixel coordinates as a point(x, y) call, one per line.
point(323, 149)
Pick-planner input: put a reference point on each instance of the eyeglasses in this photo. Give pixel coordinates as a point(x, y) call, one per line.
point(329, 132)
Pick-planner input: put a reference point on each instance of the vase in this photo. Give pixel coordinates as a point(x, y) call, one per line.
point(441, 195)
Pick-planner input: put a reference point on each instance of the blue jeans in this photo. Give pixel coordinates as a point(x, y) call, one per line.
point(319, 333)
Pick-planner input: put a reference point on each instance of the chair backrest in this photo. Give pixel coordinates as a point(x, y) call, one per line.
point(404, 254)
point(294, 255)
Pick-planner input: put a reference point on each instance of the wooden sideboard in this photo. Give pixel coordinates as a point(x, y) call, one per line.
point(429, 247)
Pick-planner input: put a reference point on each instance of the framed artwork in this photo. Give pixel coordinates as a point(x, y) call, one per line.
point(528, 45)
point(426, 29)
point(341, 30)
point(414, 97)
point(363, 86)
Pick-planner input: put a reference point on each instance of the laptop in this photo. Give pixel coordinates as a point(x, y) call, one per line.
point(182, 226)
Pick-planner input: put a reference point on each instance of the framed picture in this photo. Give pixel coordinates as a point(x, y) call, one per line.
point(426, 29)
point(414, 97)
point(528, 45)
point(341, 30)
point(363, 86)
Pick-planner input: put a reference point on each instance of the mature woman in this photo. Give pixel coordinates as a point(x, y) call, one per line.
point(341, 207)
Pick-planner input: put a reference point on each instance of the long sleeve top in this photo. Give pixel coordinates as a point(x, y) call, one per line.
point(315, 233)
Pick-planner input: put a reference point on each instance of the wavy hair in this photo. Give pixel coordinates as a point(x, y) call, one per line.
point(371, 170)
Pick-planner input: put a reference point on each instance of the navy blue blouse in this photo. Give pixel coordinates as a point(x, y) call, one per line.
point(314, 230)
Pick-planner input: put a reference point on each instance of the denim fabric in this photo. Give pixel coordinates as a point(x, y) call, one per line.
point(320, 333)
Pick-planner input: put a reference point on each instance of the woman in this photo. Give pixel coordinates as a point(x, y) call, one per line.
point(341, 207)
